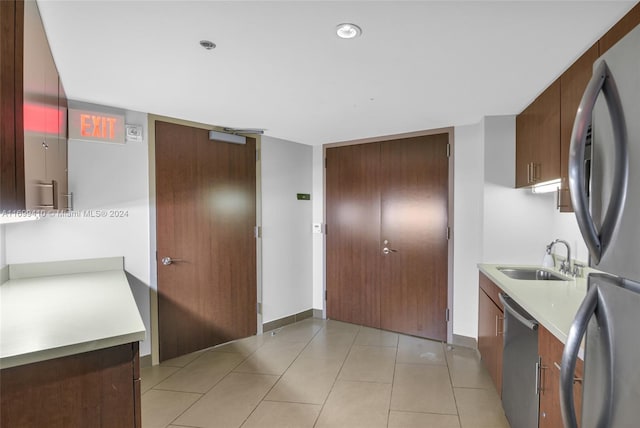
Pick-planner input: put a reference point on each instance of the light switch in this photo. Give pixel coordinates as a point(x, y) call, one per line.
point(317, 228)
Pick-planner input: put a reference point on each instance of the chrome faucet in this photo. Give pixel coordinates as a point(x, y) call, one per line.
point(565, 266)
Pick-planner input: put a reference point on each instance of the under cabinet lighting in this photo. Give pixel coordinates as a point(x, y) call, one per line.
point(17, 217)
point(547, 186)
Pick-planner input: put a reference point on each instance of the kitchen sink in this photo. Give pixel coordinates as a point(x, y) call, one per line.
point(531, 274)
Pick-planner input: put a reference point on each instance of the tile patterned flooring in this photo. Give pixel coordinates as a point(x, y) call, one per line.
point(323, 374)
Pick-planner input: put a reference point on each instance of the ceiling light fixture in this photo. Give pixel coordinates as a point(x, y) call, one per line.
point(348, 31)
point(207, 44)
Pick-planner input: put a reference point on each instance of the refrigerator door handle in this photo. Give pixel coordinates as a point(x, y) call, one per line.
point(570, 356)
point(597, 243)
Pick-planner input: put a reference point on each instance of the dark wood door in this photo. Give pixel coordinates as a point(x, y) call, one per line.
point(414, 195)
point(353, 234)
point(395, 191)
point(206, 213)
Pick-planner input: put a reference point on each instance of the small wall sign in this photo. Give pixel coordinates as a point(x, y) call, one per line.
point(95, 126)
point(133, 133)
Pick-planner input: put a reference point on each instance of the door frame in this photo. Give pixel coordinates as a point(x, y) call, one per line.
point(153, 290)
point(450, 132)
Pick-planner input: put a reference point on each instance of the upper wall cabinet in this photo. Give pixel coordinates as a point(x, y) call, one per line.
point(543, 129)
point(538, 139)
point(34, 151)
point(620, 29)
point(573, 82)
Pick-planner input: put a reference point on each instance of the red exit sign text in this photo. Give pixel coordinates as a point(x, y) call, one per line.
point(94, 126)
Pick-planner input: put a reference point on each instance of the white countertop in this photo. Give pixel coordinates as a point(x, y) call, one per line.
point(552, 303)
point(48, 317)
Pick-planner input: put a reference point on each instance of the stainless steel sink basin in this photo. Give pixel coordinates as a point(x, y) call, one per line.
point(531, 274)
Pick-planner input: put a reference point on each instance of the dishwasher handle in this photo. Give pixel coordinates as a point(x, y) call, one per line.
point(510, 306)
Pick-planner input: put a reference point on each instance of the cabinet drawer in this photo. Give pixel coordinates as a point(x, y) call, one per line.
point(491, 289)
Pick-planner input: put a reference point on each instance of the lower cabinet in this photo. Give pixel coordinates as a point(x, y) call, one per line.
point(490, 329)
point(550, 351)
point(92, 389)
point(490, 345)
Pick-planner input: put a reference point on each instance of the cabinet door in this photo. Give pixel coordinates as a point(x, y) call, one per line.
point(45, 152)
point(550, 350)
point(91, 389)
point(62, 172)
point(11, 151)
point(572, 85)
point(490, 337)
point(620, 29)
point(538, 139)
point(35, 66)
point(524, 147)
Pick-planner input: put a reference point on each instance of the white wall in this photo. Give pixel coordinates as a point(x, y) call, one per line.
point(287, 244)
point(101, 177)
point(3, 251)
point(467, 228)
point(518, 224)
point(494, 222)
point(318, 217)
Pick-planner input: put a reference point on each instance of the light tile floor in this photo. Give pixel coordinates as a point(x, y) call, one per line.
point(318, 373)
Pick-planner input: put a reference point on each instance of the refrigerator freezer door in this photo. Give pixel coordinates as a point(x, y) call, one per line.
point(622, 256)
point(612, 361)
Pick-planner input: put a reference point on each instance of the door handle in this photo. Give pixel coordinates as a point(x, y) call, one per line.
point(168, 260)
point(387, 250)
point(597, 243)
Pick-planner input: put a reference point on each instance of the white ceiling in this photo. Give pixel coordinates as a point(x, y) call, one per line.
point(280, 66)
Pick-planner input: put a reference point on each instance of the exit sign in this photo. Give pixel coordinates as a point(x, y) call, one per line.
point(96, 126)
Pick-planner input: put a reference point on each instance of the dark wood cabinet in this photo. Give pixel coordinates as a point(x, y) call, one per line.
point(573, 82)
point(620, 29)
point(490, 329)
point(11, 150)
point(34, 144)
point(550, 351)
point(538, 139)
point(543, 129)
point(92, 389)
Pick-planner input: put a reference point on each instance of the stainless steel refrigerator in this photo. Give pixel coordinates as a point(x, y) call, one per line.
point(605, 191)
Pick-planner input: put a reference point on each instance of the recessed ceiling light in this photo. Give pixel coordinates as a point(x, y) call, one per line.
point(207, 44)
point(348, 31)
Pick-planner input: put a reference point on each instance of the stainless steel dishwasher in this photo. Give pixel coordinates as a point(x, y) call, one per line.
point(520, 398)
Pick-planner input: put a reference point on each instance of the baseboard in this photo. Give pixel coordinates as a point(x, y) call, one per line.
point(4, 274)
point(465, 341)
point(272, 325)
point(145, 361)
point(317, 313)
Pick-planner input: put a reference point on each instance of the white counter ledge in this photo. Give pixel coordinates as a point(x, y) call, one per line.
point(552, 303)
point(51, 310)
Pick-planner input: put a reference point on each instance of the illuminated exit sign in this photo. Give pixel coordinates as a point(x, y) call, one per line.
point(95, 126)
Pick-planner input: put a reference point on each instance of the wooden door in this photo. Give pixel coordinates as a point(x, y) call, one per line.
point(395, 191)
point(353, 234)
point(414, 195)
point(206, 207)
